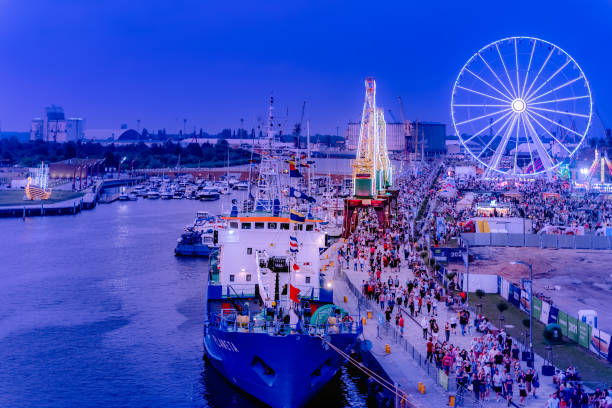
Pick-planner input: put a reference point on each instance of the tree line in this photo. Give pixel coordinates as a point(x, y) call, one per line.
point(162, 154)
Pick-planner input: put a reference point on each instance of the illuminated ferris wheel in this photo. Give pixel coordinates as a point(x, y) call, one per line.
point(521, 106)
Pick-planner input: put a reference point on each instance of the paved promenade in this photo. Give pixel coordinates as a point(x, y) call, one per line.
point(400, 364)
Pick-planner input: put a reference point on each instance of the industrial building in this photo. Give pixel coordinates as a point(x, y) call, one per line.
point(434, 135)
point(395, 136)
point(54, 127)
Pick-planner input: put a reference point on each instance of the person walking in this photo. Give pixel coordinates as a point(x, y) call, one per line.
point(401, 324)
point(447, 332)
point(508, 389)
point(424, 326)
point(430, 348)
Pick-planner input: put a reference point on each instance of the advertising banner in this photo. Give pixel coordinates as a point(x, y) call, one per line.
point(572, 328)
point(562, 321)
point(553, 314)
point(448, 254)
point(505, 289)
point(600, 343)
point(584, 334)
point(515, 296)
point(525, 301)
point(545, 312)
point(537, 308)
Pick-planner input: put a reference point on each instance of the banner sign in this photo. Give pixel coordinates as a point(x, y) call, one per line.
point(505, 289)
point(525, 301)
point(572, 328)
point(562, 322)
point(537, 308)
point(448, 254)
point(552, 315)
point(600, 343)
point(584, 334)
point(545, 312)
point(514, 296)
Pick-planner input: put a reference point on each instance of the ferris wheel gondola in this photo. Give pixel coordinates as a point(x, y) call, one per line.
point(521, 106)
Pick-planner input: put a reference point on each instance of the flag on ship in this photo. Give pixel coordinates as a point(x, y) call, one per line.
point(293, 171)
point(298, 194)
point(293, 244)
point(293, 293)
point(296, 216)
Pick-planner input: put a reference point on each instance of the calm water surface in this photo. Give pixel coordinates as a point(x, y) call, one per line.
point(96, 311)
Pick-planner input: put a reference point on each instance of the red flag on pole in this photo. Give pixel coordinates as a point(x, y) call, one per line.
point(293, 293)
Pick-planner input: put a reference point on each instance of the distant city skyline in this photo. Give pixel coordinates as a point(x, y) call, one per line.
point(161, 62)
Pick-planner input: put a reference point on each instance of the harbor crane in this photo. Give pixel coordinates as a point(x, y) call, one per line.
point(408, 128)
point(297, 129)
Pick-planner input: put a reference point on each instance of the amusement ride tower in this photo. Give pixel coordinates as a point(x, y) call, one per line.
point(372, 171)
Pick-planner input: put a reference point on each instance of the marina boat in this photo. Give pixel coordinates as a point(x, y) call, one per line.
point(123, 195)
point(178, 195)
point(241, 185)
point(194, 243)
point(132, 196)
point(167, 195)
point(152, 194)
point(208, 194)
point(272, 329)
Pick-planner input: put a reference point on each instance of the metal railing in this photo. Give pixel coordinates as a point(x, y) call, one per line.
point(228, 321)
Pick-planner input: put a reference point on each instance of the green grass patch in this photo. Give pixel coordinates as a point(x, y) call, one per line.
point(15, 197)
point(592, 369)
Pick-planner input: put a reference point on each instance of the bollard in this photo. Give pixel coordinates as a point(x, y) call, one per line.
point(369, 315)
point(345, 299)
point(420, 386)
point(451, 399)
point(387, 349)
point(363, 321)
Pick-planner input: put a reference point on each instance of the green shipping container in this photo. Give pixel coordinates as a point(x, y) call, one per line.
point(562, 321)
point(537, 308)
point(584, 334)
point(572, 328)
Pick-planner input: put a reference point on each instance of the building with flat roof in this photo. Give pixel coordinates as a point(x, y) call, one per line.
point(434, 135)
point(396, 141)
point(54, 127)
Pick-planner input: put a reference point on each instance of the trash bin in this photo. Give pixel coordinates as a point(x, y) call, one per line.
point(451, 399)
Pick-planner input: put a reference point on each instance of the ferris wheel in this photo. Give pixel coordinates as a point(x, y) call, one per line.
point(521, 106)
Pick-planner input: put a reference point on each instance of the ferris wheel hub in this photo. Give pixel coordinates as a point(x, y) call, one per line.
point(518, 105)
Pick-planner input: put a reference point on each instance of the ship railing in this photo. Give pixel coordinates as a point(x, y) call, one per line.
point(231, 321)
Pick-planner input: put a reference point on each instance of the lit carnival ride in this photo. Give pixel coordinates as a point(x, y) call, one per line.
point(521, 106)
point(39, 188)
point(372, 170)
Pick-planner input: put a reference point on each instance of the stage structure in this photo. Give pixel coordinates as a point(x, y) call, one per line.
point(372, 171)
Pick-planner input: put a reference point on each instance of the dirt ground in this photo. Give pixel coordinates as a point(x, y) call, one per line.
point(574, 279)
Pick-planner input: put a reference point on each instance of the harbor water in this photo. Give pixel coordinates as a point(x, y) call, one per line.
point(97, 311)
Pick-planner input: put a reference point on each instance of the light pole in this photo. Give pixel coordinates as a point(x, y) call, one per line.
point(531, 355)
point(467, 271)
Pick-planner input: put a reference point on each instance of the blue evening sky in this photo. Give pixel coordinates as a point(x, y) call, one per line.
point(214, 62)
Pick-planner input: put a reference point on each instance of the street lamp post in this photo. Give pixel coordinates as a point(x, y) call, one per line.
point(531, 355)
point(467, 271)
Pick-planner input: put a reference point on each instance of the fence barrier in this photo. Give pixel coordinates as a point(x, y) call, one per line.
point(588, 241)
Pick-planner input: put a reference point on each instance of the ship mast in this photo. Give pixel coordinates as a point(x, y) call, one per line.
point(268, 184)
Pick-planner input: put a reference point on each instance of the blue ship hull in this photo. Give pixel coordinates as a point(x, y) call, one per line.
point(281, 371)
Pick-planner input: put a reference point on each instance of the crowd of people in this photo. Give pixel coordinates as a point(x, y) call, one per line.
point(399, 280)
point(545, 202)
